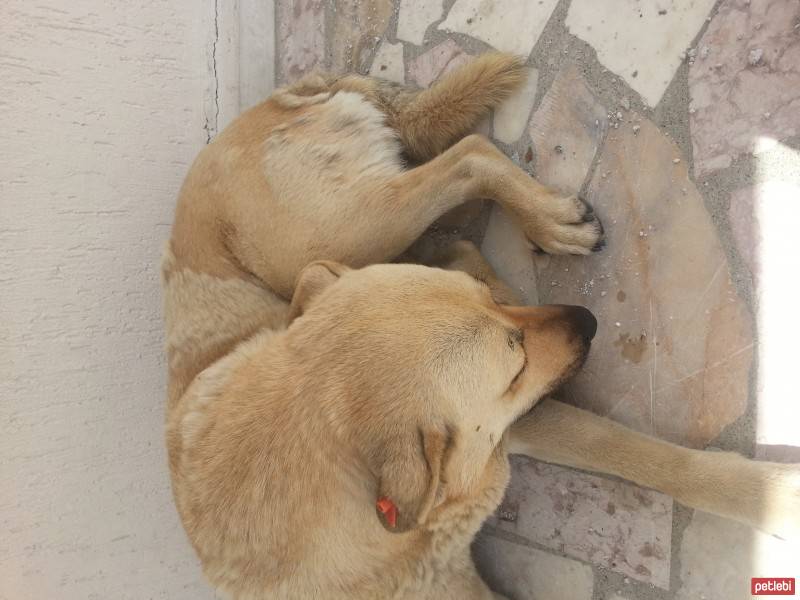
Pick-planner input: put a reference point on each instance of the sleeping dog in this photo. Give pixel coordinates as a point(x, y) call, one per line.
point(339, 426)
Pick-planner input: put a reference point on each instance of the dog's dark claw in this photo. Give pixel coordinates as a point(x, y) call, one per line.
point(535, 248)
point(599, 245)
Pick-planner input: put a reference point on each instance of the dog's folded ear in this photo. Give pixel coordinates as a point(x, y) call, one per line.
point(313, 279)
point(411, 476)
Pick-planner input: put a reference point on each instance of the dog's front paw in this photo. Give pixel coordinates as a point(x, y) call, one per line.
point(564, 225)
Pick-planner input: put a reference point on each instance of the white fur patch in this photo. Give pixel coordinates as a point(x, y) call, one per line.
point(336, 147)
point(364, 129)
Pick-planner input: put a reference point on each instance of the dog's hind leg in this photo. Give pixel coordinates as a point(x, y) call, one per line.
point(765, 495)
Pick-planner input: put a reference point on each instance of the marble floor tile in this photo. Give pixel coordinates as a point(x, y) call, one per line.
point(640, 41)
point(428, 67)
point(673, 351)
point(388, 63)
point(567, 130)
point(511, 117)
point(358, 26)
point(610, 523)
point(526, 573)
point(507, 25)
point(746, 86)
point(415, 17)
point(508, 251)
point(301, 37)
point(718, 557)
point(767, 236)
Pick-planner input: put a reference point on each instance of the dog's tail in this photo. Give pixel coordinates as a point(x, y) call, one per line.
point(432, 120)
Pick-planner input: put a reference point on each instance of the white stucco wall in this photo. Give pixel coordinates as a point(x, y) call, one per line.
point(104, 104)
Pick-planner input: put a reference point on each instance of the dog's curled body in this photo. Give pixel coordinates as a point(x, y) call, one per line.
point(302, 391)
point(272, 513)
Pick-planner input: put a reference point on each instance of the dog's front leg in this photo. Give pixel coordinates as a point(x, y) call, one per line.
point(765, 495)
point(474, 168)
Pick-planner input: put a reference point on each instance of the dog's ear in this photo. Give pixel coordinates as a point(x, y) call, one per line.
point(411, 477)
point(313, 279)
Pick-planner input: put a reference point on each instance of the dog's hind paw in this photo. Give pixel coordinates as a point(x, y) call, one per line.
point(564, 225)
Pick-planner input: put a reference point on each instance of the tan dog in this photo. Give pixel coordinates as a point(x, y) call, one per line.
point(342, 431)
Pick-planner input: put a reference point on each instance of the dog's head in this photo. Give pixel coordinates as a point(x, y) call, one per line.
point(422, 371)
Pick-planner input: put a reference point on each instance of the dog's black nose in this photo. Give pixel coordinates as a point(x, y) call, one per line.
point(584, 322)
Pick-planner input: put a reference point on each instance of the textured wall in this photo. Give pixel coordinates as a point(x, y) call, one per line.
point(104, 105)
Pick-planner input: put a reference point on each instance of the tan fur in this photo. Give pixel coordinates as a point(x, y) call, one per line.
point(303, 390)
point(429, 125)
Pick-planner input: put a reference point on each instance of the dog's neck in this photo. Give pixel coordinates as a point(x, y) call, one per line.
point(332, 479)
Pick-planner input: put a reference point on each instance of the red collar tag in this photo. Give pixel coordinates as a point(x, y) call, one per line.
point(388, 509)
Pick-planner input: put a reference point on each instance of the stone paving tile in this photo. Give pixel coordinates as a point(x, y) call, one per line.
point(566, 131)
point(388, 63)
point(674, 346)
point(494, 21)
point(610, 523)
point(640, 41)
point(414, 18)
point(508, 251)
point(747, 85)
point(511, 117)
point(757, 217)
point(525, 573)
point(766, 238)
point(718, 557)
point(301, 37)
point(428, 67)
point(358, 26)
